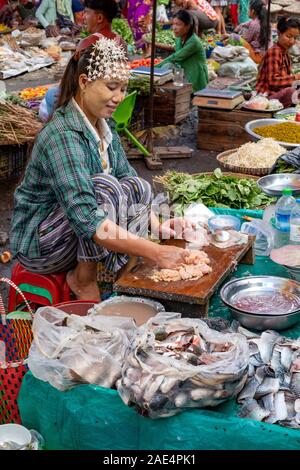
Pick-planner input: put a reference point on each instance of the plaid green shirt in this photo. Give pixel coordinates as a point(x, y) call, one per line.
point(64, 159)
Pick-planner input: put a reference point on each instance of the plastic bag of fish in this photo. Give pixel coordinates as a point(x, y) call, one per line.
point(175, 364)
point(71, 349)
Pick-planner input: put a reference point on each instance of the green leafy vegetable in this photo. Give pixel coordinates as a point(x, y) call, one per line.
point(215, 190)
point(120, 26)
point(284, 167)
point(166, 36)
point(140, 85)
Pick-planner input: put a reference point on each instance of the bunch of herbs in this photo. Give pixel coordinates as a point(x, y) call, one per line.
point(213, 190)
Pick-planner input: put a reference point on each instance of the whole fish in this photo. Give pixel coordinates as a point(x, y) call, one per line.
point(290, 405)
point(280, 406)
point(268, 385)
point(153, 386)
point(249, 390)
point(295, 384)
point(252, 410)
point(276, 364)
point(267, 402)
point(286, 357)
point(266, 344)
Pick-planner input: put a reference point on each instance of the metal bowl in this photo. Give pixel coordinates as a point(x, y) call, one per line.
point(267, 122)
point(262, 285)
point(272, 185)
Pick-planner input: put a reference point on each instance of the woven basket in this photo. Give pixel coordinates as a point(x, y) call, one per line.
point(222, 157)
point(16, 335)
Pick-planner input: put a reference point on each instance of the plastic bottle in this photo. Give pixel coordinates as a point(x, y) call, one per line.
point(295, 224)
point(283, 210)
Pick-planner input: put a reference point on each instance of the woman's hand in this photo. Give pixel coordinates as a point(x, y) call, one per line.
point(175, 228)
point(170, 257)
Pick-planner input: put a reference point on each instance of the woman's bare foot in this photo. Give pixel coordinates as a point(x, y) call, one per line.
point(88, 291)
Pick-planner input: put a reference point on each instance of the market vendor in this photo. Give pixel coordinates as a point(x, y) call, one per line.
point(80, 200)
point(98, 15)
point(56, 14)
point(189, 52)
point(275, 74)
point(204, 15)
point(256, 31)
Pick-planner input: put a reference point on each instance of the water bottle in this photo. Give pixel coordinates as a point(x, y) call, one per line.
point(283, 210)
point(295, 224)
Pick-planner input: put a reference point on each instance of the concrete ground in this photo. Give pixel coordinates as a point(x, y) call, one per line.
point(201, 161)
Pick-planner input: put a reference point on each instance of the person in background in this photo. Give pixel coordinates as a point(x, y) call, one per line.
point(78, 9)
point(219, 6)
point(189, 52)
point(98, 16)
point(243, 11)
point(7, 13)
point(234, 12)
point(27, 10)
point(80, 201)
point(19, 13)
point(275, 76)
point(256, 31)
point(139, 19)
point(56, 14)
point(204, 15)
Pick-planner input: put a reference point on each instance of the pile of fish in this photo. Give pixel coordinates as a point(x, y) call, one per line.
point(175, 364)
point(272, 391)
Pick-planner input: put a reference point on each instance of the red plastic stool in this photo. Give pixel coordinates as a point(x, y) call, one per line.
point(39, 289)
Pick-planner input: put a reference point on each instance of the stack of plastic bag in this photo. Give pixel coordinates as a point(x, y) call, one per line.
point(235, 62)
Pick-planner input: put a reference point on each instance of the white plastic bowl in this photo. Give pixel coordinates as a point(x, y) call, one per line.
point(15, 433)
point(268, 122)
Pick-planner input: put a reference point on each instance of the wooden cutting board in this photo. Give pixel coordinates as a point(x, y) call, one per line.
point(136, 277)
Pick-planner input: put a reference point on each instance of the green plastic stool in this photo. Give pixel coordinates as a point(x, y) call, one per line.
point(122, 117)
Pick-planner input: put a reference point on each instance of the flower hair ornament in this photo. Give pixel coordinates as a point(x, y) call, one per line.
point(108, 61)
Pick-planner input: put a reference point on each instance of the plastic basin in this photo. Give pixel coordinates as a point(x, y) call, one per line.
point(76, 307)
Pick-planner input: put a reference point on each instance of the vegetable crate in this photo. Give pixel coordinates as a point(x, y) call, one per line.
point(221, 130)
point(171, 104)
point(13, 160)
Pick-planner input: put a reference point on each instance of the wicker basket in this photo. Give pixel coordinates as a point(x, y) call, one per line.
point(13, 160)
point(222, 159)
